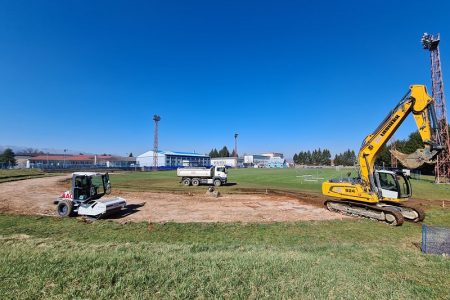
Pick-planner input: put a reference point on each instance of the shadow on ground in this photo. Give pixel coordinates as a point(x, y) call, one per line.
point(128, 210)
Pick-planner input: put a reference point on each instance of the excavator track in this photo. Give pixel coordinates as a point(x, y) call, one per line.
point(410, 213)
point(385, 214)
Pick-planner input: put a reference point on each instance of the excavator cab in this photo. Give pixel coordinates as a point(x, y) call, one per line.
point(393, 185)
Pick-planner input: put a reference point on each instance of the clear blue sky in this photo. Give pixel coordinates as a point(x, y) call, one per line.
point(285, 75)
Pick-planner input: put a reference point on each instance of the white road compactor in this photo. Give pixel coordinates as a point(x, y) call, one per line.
point(84, 197)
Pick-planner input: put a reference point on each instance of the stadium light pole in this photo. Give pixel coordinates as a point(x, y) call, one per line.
point(64, 163)
point(235, 149)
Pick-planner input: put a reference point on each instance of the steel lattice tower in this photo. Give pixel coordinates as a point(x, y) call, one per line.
point(393, 158)
point(156, 118)
point(442, 167)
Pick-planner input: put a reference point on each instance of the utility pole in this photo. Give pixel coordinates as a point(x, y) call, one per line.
point(442, 167)
point(156, 119)
point(64, 163)
point(235, 149)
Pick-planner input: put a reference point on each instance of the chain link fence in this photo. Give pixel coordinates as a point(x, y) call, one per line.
point(435, 240)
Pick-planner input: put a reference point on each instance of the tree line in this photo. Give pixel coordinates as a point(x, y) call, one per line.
point(348, 157)
point(224, 152)
point(319, 157)
point(316, 157)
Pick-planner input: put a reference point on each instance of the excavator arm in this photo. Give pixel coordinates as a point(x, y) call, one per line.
point(420, 104)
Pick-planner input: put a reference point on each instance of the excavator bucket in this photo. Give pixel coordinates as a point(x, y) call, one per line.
point(417, 158)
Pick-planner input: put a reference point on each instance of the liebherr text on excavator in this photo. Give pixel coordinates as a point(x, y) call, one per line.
point(381, 194)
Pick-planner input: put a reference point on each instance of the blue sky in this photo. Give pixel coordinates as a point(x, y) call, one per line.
point(286, 75)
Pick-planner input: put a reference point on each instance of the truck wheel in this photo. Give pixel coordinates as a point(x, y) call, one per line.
point(195, 182)
point(187, 182)
point(64, 208)
point(217, 182)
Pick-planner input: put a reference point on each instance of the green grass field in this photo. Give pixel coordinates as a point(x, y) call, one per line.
point(20, 174)
point(45, 257)
point(281, 179)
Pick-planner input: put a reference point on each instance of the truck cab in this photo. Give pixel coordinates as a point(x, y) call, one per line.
point(221, 172)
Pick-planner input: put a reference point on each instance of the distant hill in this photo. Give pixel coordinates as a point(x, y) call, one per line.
point(23, 149)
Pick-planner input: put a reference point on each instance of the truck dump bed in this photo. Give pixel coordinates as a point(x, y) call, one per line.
point(194, 172)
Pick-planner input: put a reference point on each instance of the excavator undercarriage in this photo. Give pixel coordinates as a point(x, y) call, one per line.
point(393, 214)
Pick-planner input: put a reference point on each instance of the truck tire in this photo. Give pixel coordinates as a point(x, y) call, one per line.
point(195, 182)
point(217, 182)
point(64, 208)
point(187, 181)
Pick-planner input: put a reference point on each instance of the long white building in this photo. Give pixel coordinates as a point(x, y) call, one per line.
point(227, 162)
point(265, 160)
point(174, 159)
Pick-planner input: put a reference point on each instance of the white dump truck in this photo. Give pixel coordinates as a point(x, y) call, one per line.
point(216, 175)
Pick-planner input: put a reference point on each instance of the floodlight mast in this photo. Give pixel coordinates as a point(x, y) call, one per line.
point(156, 119)
point(235, 149)
point(442, 168)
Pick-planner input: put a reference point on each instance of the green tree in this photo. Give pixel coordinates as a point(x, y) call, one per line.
point(383, 157)
point(224, 152)
point(411, 144)
point(326, 157)
point(347, 158)
point(131, 154)
point(7, 158)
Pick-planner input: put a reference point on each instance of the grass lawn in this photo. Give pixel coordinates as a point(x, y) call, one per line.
point(283, 179)
point(44, 257)
point(20, 174)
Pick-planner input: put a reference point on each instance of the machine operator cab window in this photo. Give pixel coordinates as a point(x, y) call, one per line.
point(393, 185)
point(222, 169)
point(90, 186)
point(81, 188)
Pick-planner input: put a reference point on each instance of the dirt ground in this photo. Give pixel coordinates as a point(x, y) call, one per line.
point(35, 197)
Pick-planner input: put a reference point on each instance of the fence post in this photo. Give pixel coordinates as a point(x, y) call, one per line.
point(424, 238)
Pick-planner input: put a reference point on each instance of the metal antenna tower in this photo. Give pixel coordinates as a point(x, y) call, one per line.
point(393, 147)
point(442, 167)
point(156, 118)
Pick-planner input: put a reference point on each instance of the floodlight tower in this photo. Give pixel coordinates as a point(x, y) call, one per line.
point(235, 149)
point(442, 167)
point(156, 118)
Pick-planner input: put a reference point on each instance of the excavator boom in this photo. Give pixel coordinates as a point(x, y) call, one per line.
point(420, 104)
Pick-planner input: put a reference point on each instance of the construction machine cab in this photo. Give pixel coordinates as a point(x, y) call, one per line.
point(393, 185)
point(90, 186)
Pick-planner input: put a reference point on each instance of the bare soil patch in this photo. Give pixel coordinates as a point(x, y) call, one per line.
point(35, 197)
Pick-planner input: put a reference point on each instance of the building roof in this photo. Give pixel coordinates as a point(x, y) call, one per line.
point(165, 152)
point(62, 157)
point(81, 158)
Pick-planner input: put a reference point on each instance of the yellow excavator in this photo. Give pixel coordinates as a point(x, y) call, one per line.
point(381, 194)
